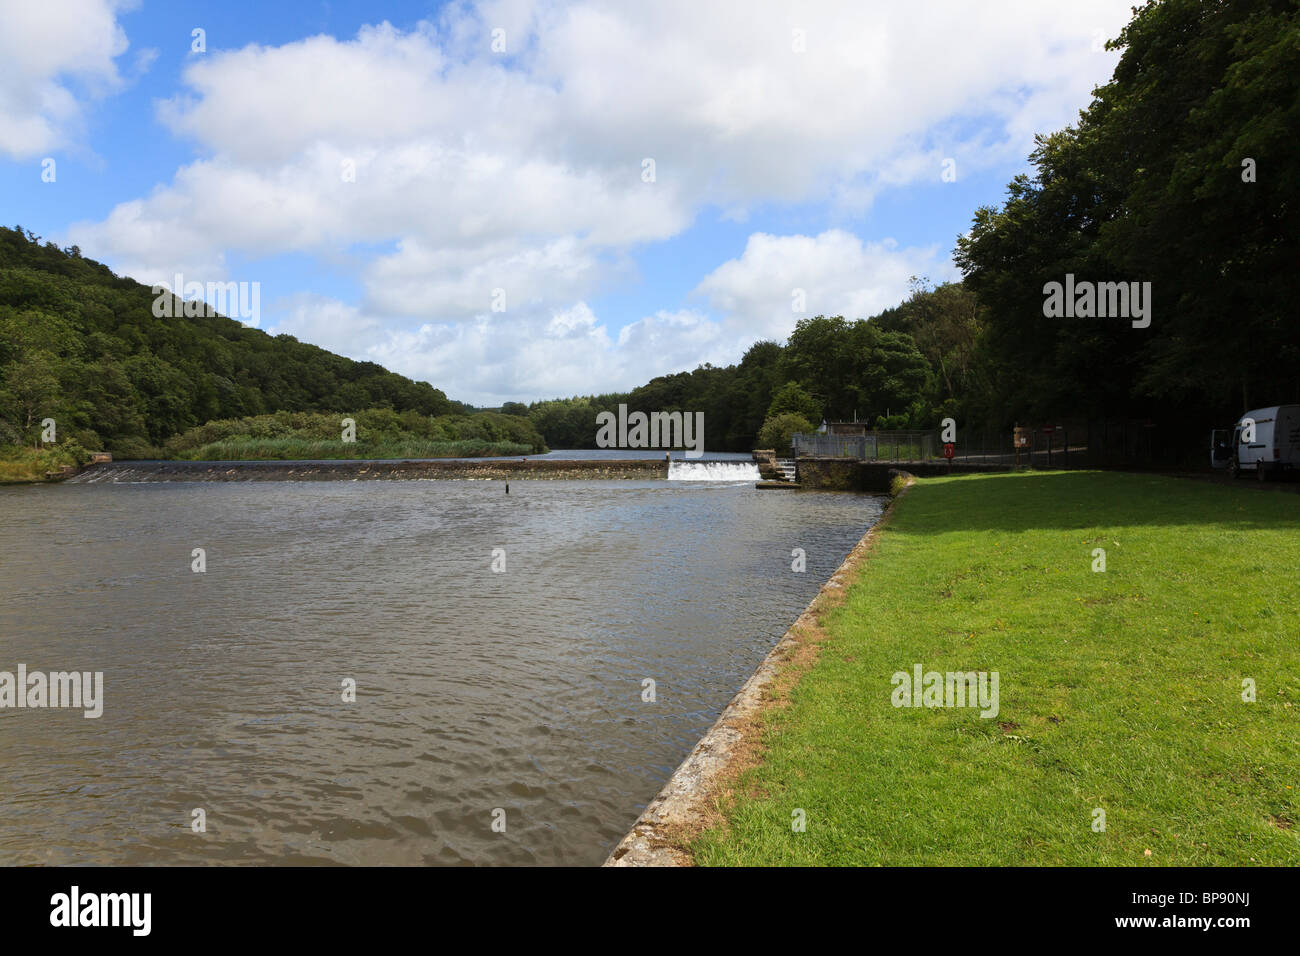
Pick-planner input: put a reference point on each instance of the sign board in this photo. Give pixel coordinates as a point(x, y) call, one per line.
point(1022, 437)
point(948, 450)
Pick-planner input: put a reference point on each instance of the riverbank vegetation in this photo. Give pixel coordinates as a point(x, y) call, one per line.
point(1161, 690)
point(375, 433)
point(21, 463)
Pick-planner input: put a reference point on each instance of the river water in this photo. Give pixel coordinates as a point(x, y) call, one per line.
point(511, 697)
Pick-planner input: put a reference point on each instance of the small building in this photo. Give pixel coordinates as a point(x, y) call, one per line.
point(844, 429)
point(100, 456)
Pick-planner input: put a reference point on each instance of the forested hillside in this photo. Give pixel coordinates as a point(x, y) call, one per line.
point(82, 346)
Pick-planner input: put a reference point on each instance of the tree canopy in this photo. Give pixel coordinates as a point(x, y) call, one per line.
point(1182, 173)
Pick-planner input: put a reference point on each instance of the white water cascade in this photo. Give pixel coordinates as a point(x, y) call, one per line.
point(713, 471)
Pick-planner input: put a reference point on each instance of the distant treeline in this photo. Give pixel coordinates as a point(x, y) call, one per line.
point(903, 368)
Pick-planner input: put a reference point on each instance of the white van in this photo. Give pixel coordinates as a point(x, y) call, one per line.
point(1273, 448)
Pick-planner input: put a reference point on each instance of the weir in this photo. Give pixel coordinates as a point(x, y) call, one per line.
point(486, 468)
point(370, 470)
point(713, 471)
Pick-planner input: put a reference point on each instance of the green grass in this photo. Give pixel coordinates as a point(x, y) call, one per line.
point(20, 464)
point(1119, 690)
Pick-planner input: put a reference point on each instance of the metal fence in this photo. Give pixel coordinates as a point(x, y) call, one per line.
point(1101, 444)
point(834, 446)
point(873, 446)
point(1096, 444)
point(1044, 446)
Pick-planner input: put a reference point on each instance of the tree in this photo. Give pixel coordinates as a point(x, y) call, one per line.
point(777, 432)
point(888, 372)
point(944, 322)
point(1162, 181)
point(792, 397)
point(29, 392)
point(819, 356)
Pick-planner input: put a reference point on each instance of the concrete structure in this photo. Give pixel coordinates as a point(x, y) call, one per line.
point(875, 477)
point(846, 429)
point(374, 470)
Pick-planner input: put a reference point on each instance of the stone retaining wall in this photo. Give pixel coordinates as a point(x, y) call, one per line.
point(654, 839)
point(849, 474)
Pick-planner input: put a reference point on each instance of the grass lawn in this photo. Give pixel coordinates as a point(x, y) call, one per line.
point(1119, 690)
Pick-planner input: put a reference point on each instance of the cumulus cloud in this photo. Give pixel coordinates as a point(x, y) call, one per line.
point(525, 169)
point(498, 357)
point(453, 283)
point(780, 279)
point(57, 54)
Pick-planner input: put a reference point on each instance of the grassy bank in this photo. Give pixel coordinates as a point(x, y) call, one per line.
point(22, 464)
point(1119, 690)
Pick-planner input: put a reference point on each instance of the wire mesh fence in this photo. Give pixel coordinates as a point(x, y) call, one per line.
point(871, 446)
point(1136, 443)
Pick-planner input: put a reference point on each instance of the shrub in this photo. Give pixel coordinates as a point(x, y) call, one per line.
point(778, 431)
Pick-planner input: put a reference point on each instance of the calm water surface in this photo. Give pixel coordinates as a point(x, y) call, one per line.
point(475, 690)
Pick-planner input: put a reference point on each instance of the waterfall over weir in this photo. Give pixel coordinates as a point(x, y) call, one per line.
point(713, 471)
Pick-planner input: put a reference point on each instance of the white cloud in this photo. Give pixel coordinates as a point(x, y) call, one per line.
point(835, 272)
point(531, 350)
point(451, 284)
point(498, 357)
point(523, 171)
point(46, 46)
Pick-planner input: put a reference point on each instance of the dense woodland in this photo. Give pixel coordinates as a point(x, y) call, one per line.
point(1182, 172)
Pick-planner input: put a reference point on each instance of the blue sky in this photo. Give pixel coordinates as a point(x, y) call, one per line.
point(498, 236)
